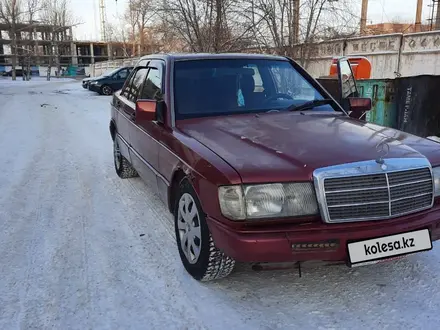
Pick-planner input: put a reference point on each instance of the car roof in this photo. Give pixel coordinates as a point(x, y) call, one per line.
point(205, 56)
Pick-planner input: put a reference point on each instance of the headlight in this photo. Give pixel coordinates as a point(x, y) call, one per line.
point(268, 200)
point(93, 82)
point(436, 175)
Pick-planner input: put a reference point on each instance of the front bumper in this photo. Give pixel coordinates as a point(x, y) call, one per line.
point(95, 88)
point(262, 244)
point(85, 84)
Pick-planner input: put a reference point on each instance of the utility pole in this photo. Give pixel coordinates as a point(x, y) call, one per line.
point(418, 26)
point(364, 16)
point(437, 17)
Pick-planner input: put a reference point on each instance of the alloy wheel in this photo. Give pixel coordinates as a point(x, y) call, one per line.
point(106, 90)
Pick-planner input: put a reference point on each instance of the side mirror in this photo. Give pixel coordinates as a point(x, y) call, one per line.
point(358, 106)
point(347, 84)
point(150, 110)
point(145, 110)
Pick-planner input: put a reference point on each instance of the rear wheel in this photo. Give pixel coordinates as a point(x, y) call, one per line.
point(106, 90)
point(122, 165)
point(199, 255)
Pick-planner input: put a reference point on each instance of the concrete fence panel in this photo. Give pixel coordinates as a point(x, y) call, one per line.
point(420, 54)
point(382, 51)
point(391, 55)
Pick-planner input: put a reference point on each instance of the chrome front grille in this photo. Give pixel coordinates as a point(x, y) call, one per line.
point(353, 194)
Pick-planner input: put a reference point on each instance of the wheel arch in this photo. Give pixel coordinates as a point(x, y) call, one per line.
point(173, 189)
point(180, 173)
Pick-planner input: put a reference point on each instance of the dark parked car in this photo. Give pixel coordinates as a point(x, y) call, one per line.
point(109, 82)
point(18, 73)
point(85, 82)
point(258, 163)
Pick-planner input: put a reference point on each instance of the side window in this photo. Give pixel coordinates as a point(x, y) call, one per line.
point(152, 89)
point(126, 88)
point(136, 83)
point(123, 74)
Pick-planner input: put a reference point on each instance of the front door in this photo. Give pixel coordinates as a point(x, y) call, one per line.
point(145, 139)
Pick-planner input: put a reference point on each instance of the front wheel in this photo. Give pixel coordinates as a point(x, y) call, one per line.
point(106, 90)
point(199, 255)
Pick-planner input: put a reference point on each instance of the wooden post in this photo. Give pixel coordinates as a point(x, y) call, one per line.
point(418, 26)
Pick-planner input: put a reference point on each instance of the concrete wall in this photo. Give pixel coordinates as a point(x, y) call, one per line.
point(99, 68)
point(390, 55)
point(420, 54)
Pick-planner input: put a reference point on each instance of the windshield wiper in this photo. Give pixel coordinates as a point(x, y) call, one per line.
point(309, 105)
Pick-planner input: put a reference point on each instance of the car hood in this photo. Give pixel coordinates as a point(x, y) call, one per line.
point(97, 78)
point(290, 146)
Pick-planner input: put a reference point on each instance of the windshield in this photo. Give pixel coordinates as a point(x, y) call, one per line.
point(232, 86)
point(111, 72)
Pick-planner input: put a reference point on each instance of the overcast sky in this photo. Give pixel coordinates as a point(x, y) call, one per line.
point(87, 11)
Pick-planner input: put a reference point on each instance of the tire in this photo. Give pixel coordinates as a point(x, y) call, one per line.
point(106, 90)
point(210, 263)
point(122, 166)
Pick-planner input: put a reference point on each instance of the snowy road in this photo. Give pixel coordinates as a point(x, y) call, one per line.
point(72, 255)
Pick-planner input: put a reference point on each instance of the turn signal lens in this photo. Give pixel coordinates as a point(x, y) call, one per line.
point(231, 202)
point(436, 175)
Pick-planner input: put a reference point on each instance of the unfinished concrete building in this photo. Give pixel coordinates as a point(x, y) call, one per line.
point(42, 44)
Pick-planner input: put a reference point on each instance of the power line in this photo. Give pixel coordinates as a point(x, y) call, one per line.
point(382, 2)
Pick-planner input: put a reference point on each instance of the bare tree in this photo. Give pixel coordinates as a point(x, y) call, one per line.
point(11, 15)
point(287, 27)
point(290, 27)
point(132, 17)
point(57, 14)
point(117, 33)
point(205, 26)
point(324, 20)
point(166, 38)
point(144, 14)
point(31, 8)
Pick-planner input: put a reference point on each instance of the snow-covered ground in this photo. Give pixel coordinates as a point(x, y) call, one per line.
point(72, 255)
